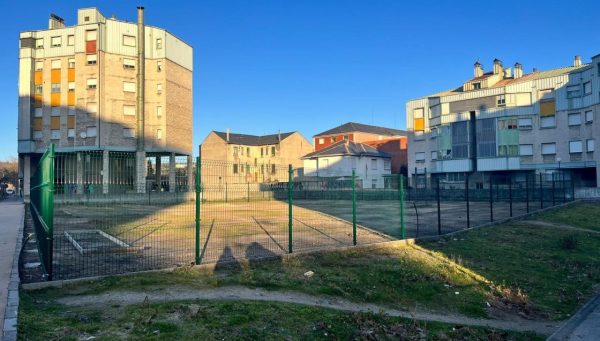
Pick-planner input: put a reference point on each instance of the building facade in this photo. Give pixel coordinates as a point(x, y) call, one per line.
point(397, 148)
point(507, 122)
point(104, 85)
point(371, 166)
point(251, 158)
point(356, 132)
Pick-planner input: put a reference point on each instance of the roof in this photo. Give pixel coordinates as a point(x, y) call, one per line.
point(252, 140)
point(351, 127)
point(347, 148)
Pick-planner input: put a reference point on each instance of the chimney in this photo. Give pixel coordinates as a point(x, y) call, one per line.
point(497, 66)
point(55, 22)
point(577, 61)
point(227, 135)
point(279, 135)
point(477, 69)
point(535, 70)
point(141, 78)
point(518, 71)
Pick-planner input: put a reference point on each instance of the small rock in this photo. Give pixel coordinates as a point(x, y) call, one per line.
point(456, 293)
point(308, 274)
point(193, 309)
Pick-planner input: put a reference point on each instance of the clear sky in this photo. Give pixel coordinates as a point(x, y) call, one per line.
point(263, 66)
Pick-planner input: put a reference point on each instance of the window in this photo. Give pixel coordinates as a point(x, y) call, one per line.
point(55, 134)
point(71, 111)
point(158, 134)
point(70, 40)
point(507, 124)
point(526, 150)
point(548, 122)
point(321, 140)
point(573, 91)
point(589, 116)
point(373, 164)
point(247, 153)
point(128, 87)
point(90, 132)
point(71, 86)
point(158, 43)
point(501, 100)
point(525, 123)
point(86, 18)
point(71, 63)
point(272, 151)
point(128, 63)
point(434, 155)
point(55, 41)
point(333, 139)
point(55, 88)
point(71, 133)
point(387, 164)
point(55, 122)
point(420, 157)
point(575, 147)
point(587, 88)
point(159, 88)
point(55, 64)
point(38, 135)
point(38, 112)
point(589, 145)
point(508, 150)
point(55, 111)
point(575, 119)
point(373, 183)
point(39, 43)
point(129, 110)
point(273, 169)
point(91, 83)
point(159, 66)
point(128, 40)
point(91, 108)
point(476, 86)
point(37, 124)
point(235, 151)
point(90, 35)
point(91, 59)
point(419, 135)
point(548, 148)
point(158, 111)
point(39, 65)
point(128, 132)
point(38, 89)
point(346, 137)
point(235, 168)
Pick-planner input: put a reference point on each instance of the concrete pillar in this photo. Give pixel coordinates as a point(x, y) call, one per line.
point(158, 172)
point(79, 175)
point(190, 174)
point(26, 177)
point(105, 171)
point(172, 170)
point(140, 172)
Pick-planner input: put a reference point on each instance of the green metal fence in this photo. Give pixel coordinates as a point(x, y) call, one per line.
point(42, 208)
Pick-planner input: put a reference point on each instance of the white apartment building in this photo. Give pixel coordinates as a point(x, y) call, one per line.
point(507, 122)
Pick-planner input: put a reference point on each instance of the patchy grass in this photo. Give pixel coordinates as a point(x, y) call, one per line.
point(232, 320)
point(584, 215)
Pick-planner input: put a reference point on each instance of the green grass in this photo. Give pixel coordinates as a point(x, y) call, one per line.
point(584, 215)
point(230, 320)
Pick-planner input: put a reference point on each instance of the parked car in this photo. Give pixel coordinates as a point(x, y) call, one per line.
point(10, 191)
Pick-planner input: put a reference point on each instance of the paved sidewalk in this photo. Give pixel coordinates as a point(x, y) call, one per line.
point(11, 225)
point(583, 326)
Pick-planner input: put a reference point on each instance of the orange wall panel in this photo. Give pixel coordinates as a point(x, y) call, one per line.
point(37, 79)
point(37, 101)
point(419, 124)
point(55, 76)
point(71, 98)
point(37, 124)
point(55, 122)
point(71, 122)
point(55, 99)
point(71, 75)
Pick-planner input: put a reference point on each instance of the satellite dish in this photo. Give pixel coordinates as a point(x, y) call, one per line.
point(83, 135)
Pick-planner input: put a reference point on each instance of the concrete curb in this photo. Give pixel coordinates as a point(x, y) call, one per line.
point(566, 329)
point(11, 311)
point(409, 241)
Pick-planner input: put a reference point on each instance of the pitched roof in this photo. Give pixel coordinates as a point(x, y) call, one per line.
point(252, 140)
point(347, 148)
point(351, 127)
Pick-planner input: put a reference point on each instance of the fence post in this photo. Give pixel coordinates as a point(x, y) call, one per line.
point(491, 198)
point(467, 199)
point(553, 191)
point(49, 210)
point(541, 193)
point(439, 211)
point(198, 202)
point(510, 195)
point(564, 189)
point(572, 188)
point(353, 207)
point(401, 198)
point(290, 198)
point(527, 192)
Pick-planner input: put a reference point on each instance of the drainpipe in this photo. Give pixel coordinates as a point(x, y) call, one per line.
point(141, 78)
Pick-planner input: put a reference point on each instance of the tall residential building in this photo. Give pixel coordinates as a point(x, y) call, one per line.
point(508, 122)
point(104, 85)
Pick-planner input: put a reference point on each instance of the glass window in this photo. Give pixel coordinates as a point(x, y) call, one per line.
point(39, 65)
point(71, 133)
point(590, 145)
point(55, 134)
point(91, 59)
point(573, 91)
point(575, 119)
point(128, 40)
point(70, 40)
point(128, 86)
point(91, 83)
point(158, 43)
point(548, 122)
point(272, 151)
point(575, 147)
point(418, 113)
point(38, 89)
point(71, 86)
point(321, 140)
point(373, 164)
point(55, 41)
point(90, 132)
point(55, 64)
point(548, 148)
point(90, 35)
point(158, 134)
point(71, 63)
point(129, 110)
point(39, 43)
point(525, 123)
point(526, 149)
point(589, 116)
point(420, 157)
point(55, 88)
point(38, 112)
point(55, 111)
point(235, 168)
point(387, 164)
point(128, 132)
point(501, 100)
point(434, 155)
point(158, 111)
point(159, 88)
point(128, 63)
point(587, 88)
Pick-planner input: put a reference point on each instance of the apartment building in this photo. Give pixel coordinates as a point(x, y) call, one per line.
point(356, 132)
point(104, 85)
point(253, 158)
point(509, 122)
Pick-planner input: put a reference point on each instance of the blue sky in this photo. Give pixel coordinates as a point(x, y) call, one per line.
point(264, 66)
